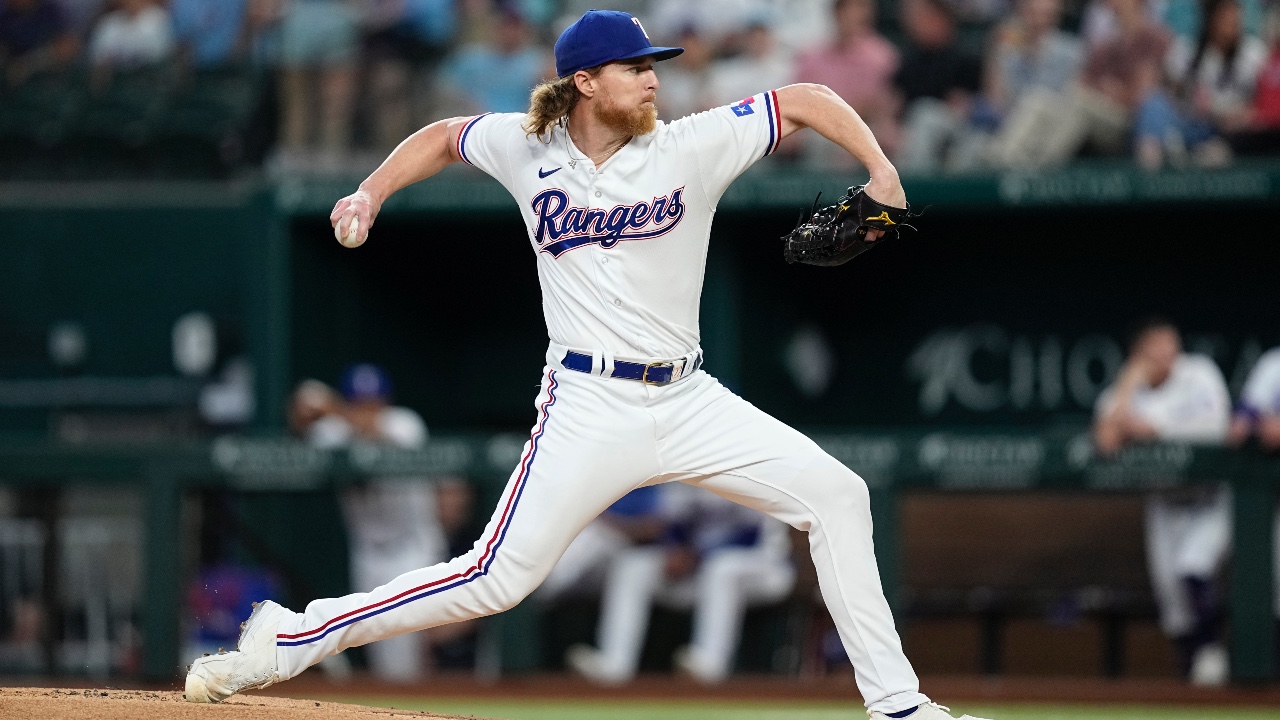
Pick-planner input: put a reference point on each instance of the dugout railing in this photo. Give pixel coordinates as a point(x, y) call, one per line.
point(893, 463)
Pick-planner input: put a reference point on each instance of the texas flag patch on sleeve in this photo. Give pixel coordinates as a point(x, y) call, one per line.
point(743, 108)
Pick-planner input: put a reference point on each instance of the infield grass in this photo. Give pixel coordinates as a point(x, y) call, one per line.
point(645, 710)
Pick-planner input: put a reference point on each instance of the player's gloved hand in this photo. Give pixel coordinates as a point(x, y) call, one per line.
point(352, 218)
point(885, 189)
point(836, 234)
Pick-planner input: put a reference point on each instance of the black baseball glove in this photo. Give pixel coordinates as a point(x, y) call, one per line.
point(836, 234)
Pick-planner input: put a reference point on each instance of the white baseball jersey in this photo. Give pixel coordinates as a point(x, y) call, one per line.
point(1262, 390)
point(622, 248)
point(1193, 405)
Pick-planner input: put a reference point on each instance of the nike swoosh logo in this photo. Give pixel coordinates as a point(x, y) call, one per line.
point(543, 174)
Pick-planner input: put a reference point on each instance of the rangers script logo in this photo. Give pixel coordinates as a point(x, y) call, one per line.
point(562, 228)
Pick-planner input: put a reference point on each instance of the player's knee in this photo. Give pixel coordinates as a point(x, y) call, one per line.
point(839, 481)
point(512, 588)
point(843, 492)
point(509, 581)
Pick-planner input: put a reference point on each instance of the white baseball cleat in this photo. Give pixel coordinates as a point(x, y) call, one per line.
point(590, 663)
point(1211, 666)
point(687, 661)
point(927, 711)
point(252, 665)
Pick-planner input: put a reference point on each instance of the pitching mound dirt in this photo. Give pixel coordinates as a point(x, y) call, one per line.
point(144, 705)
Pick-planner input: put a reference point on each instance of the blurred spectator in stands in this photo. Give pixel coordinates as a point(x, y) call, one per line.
point(319, 47)
point(1163, 393)
point(211, 33)
point(1122, 78)
point(404, 41)
point(262, 31)
point(34, 37)
point(82, 15)
point(1031, 68)
point(1100, 24)
point(1256, 131)
point(796, 24)
point(1266, 103)
point(477, 20)
point(762, 65)
point(136, 33)
point(718, 559)
point(1216, 78)
point(859, 66)
point(630, 522)
point(570, 10)
point(498, 76)
point(939, 82)
point(392, 524)
point(984, 12)
point(686, 80)
point(801, 25)
point(716, 20)
point(1183, 18)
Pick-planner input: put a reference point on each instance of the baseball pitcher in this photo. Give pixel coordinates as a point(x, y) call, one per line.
point(618, 209)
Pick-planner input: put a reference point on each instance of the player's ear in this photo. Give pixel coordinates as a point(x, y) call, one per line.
point(585, 82)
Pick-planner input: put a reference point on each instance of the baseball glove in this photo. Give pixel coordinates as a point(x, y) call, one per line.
point(836, 234)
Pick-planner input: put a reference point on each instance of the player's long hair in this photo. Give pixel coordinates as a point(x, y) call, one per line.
point(550, 103)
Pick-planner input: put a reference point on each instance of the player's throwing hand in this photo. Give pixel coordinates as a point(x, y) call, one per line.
point(352, 217)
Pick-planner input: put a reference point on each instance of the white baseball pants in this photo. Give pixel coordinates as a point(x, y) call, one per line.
point(1185, 539)
point(597, 439)
point(582, 568)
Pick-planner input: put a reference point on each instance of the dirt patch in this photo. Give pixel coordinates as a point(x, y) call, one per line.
point(78, 704)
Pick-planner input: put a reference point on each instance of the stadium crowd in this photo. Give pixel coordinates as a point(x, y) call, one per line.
point(948, 85)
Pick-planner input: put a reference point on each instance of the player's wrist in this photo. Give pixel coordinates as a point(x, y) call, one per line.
point(884, 172)
point(376, 191)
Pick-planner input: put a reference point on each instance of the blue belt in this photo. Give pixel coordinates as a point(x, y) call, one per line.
point(659, 373)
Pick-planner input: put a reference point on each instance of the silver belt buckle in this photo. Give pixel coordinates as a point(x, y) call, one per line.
point(644, 377)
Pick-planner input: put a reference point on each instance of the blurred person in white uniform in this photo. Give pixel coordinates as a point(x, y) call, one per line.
point(1163, 393)
point(719, 559)
point(762, 64)
point(392, 523)
point(1258, 416)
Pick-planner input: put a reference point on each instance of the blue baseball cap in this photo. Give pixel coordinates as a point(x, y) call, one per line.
point(605, 36)
point(365, 381)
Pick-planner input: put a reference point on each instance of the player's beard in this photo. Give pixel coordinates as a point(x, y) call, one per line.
point(633, 121)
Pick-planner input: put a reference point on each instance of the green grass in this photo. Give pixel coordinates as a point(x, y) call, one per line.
point(639, 710)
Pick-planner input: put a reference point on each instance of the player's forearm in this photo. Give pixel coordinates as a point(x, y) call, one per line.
point(818, 107)
point(420, 156)
point(1108, 435)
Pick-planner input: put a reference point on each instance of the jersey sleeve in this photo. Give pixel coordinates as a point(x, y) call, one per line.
point(486, 142)
point(403, 427)
point(1105, 403)
point(1203, 414)
point(727, 140)
point(1261, 392)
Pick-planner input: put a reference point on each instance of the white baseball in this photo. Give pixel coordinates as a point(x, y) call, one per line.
point(352, 238)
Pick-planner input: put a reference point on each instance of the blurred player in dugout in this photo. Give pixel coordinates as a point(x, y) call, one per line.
point(1258, 417)
point(714, 557)
point(393, 524)
point(1163, 393)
